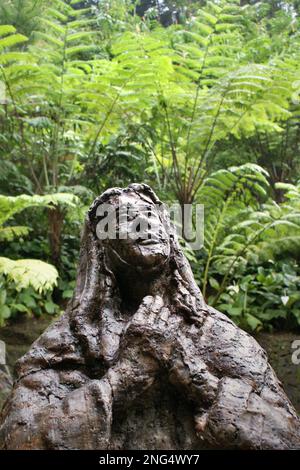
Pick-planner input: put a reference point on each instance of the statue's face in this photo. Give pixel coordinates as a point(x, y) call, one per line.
point(141, 238)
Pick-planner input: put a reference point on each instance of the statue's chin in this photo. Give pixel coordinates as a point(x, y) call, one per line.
point(145, 260)
point(152, 261)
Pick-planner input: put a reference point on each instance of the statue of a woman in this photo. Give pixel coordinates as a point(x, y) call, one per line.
point(138, 360)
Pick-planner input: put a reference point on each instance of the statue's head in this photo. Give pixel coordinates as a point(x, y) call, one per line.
point(129, 250)
point(133, 226)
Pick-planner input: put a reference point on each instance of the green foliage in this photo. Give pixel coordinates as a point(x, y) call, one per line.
point(44, 119)
point(24, 278)
point(229, 196)
point(192, 83)
point(243, 233)
point(173, 94)
point(9, 38)
point(267, 296)
point(10, 205)
point(24, 15)
point(215, 93)
point(29, 273)
point(126, 155)
point(27, 301)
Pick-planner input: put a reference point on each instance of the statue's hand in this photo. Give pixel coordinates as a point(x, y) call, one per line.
point(155, 326)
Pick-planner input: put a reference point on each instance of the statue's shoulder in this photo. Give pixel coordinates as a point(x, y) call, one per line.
point(231, 349)
point(55, 346)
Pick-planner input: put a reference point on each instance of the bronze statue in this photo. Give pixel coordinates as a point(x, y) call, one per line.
point(139, 361)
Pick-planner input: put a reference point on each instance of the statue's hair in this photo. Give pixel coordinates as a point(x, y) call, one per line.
point(139, 189)
point(97, 295)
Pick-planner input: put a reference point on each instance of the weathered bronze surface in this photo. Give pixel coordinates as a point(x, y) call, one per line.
point(139, 361)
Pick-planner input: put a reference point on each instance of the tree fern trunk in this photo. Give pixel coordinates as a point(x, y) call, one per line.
point(56, 218)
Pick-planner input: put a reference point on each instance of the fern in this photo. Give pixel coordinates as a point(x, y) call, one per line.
point(241, 228)
point(225, 194)
point(52, 111)
point(9, 37)
point(9, 205)
point(210, 46)
point(9, 233)
point(24, 15)
point(126, 86)
point(215, 93)
point(26, 273)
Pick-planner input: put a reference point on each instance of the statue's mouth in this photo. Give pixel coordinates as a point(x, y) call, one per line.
point(148, 241)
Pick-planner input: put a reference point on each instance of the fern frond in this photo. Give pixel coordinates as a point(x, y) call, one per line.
point(29, 273)
point(7, 29)
point(10, 233)
point(9, 205)
point(11, 40)
point(229, 195)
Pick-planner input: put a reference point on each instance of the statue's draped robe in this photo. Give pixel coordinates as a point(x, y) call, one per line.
point(54, 390)
point(56, 402)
